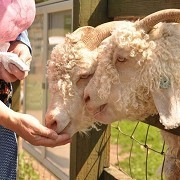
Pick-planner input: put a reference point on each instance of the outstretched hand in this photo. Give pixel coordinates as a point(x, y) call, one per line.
point(30, 129)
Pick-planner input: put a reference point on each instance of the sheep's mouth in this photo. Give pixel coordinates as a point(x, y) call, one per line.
point(65, 128)
point(100, 109)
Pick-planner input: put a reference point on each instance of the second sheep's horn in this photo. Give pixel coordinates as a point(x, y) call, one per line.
point(166, 15)
point(92, 37)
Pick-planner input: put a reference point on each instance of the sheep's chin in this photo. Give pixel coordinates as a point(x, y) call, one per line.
point(65, 130)
point(106, 115)
point(99, 110)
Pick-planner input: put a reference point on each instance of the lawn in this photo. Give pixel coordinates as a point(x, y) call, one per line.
point(139, 152)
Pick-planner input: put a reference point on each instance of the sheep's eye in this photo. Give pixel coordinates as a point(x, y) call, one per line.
point(121, 59)
point(84, 79)
point(84, 76)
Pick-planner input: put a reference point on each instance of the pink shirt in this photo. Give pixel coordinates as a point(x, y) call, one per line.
point(15, 17)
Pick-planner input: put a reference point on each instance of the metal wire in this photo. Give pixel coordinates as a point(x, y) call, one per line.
point(134, 140)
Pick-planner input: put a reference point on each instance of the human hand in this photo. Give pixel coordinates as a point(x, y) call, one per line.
point(30, 129)
point(23, 52)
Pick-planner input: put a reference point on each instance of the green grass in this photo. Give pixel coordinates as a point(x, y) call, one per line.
point(25, 168)
point(139, 152)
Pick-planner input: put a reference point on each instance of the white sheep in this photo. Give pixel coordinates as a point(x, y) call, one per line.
point(138, 76)
point(72, 64)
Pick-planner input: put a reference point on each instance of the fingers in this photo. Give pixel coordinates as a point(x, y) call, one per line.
point(17, 72)
point(22, 51)
point(24, 54)
point(26, 57)
point(49, 138)
point(5, 75)
point(30, 129)
point(48, 133)
point(44, 141)
point(52, 139)
point(63, 139)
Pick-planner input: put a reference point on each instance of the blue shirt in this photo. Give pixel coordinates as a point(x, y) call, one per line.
point(23, 37)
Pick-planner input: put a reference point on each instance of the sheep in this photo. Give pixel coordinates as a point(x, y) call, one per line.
point(69, 63)
point(138, 76)
point(73, 64)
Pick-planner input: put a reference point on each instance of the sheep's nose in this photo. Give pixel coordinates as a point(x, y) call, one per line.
point(50, 122)
point(86, 98)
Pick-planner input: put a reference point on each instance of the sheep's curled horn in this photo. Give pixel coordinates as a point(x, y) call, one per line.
point(166, 15)
point(92, 37)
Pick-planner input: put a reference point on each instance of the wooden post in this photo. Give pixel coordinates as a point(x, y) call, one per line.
point(16, 96)
point(90, 12)
point(89, 154)
point(139, 7)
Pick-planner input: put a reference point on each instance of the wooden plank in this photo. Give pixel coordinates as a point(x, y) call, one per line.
point(112, 173)
point(139, 7)
point(89, 12)
point(90, 154)
point(16, 96)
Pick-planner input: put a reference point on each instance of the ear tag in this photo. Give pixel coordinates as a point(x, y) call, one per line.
point(165, 83)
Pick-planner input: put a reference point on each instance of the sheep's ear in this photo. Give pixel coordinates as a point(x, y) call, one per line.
point(167, 102)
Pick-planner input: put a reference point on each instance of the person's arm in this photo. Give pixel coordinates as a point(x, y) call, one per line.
point(30, 129)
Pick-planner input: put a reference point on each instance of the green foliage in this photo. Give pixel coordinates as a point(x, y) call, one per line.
point(139, 153)
point(25, 169)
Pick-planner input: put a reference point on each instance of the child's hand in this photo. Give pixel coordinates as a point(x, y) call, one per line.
point(23, 53)
point(21, 50)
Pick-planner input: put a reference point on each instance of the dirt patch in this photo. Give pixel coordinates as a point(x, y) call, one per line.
point(114, 154)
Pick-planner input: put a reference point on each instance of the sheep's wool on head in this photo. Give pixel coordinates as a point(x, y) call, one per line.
point(58, 66)
point(64, 57)
point(15, 17)
point(157, 68)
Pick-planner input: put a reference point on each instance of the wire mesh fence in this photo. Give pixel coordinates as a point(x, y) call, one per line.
point(145, 147)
